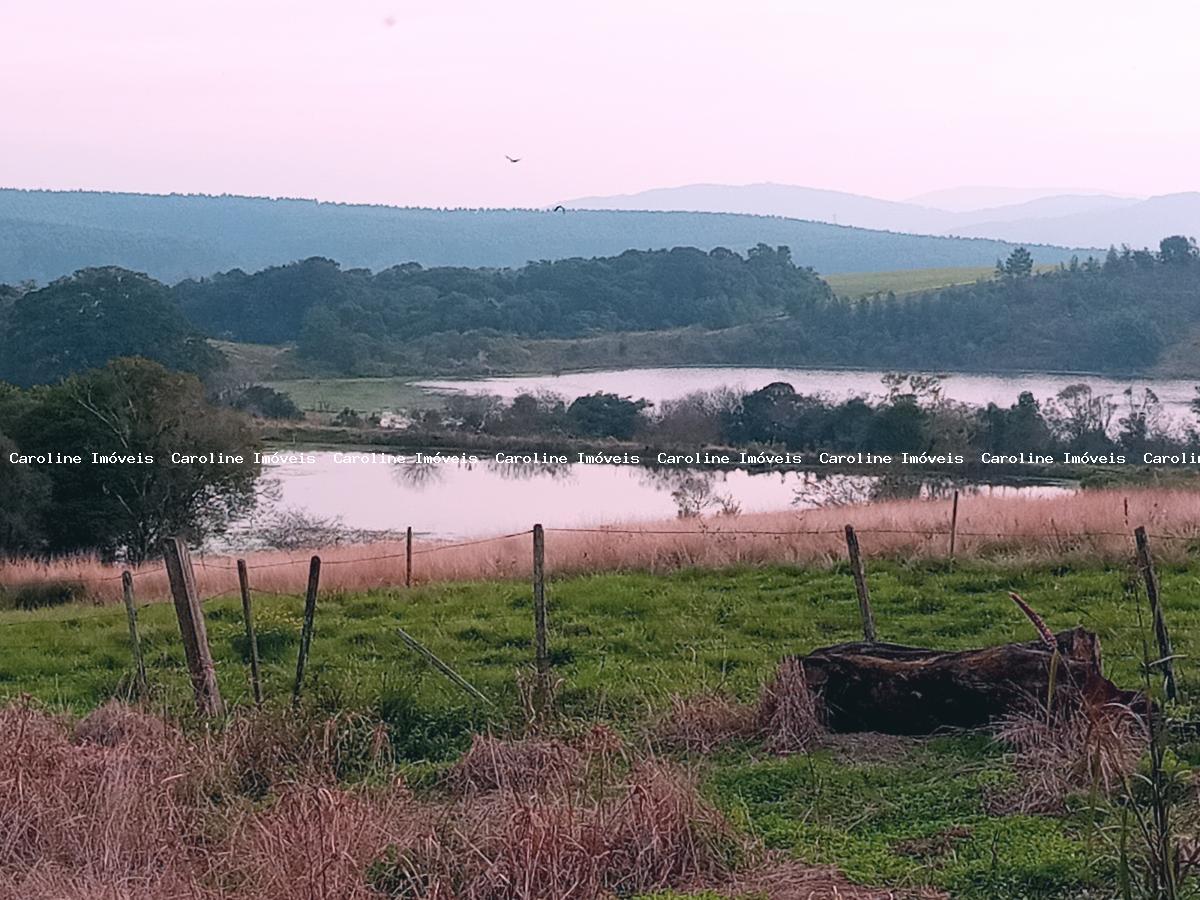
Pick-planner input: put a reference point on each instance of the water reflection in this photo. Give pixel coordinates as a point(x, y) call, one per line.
point(417, 475)
point(525, 471)
point(814, 490)
point(693, 491)
point(458, 499)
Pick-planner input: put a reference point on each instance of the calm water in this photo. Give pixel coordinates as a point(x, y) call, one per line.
point(456, 500)
point(656, 385)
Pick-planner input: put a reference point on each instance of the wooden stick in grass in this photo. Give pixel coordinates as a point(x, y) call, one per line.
point(441, 666)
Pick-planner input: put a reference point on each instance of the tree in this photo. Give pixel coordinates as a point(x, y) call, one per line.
point(1082, 417)
point(900, 425)
point(605, 415)
point(266, 403)
point(766, 415)
point(1177, 250)
point(1020, 428)
point(83, 321)
point(1019, 264)
point(135, 415)
point(24, 503)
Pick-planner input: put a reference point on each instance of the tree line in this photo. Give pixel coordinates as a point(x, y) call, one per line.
point(1118, 314)
point(352, 319)
point(911, 415)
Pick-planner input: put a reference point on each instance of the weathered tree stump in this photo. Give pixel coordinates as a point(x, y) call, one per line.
point(895, 689)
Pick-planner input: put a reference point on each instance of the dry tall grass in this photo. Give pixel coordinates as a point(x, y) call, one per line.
point(790, 716)
point(1083, 746)
point(1090, 526)
point(124, 806)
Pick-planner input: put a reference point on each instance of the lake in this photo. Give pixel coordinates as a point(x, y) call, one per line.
point(452, 500)
point(459, 499)
point(657, 385)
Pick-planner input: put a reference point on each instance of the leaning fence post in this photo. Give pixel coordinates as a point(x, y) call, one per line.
point(953, 523)
point(541, 650)
point(310, 612)
point(251, 637)
point(860, 584)
point(408, 557)
point(131, 614)
point(191, 626)
point(1146, 565)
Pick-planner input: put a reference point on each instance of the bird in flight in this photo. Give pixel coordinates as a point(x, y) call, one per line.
point(510, 159)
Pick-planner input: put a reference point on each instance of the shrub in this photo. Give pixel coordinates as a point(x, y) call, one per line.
point(41, 594)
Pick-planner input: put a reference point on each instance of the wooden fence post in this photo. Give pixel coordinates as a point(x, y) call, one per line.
point(860, 584)
point(135, 642)
point(1146, 565)
point(541, 648)
point(251, 637)
point(408, 557)
point(310, 612)
point(953, 523)
point(191, 626)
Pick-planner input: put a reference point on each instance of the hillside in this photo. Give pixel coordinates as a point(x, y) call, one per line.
point(47, 234)
point(1070, 219)
point(1019, 220)
point(1138, 224)
point(683, 306)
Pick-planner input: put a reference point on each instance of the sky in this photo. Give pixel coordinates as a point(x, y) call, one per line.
point(418, 103)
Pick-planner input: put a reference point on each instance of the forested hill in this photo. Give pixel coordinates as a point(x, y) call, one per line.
point(324, 307)
point(48, 234)
point(1119, 315)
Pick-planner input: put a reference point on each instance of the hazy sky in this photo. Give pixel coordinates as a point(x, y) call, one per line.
point(417, 103)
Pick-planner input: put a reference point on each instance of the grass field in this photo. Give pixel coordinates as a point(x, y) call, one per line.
point(909, 281)
point(623, 644)
point(366, 395)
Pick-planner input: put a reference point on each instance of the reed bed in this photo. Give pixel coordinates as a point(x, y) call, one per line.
point(1092, 526)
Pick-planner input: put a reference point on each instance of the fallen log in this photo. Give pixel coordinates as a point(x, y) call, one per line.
point(896, 689)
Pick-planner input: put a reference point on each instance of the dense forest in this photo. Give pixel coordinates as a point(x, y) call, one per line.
point(349, 317)
point(1112, 315)
point(47, 234)
point(1117, 314)
point(83, 321)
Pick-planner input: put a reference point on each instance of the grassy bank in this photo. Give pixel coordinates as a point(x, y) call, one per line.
point(1082, 530)
point(894, 812)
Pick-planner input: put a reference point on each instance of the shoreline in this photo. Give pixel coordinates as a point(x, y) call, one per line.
point(329, 438)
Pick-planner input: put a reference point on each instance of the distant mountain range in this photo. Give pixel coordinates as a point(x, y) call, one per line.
point(47, 234)
point(971, 197)
point(1077, 219)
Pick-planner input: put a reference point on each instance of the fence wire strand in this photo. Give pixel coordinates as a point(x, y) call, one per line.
point(1057, 536)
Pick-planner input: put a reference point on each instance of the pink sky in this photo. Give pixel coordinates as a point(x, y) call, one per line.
point(417, 103)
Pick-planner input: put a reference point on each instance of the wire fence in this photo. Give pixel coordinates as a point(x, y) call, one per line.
point(1188, 541)
point(1122, 625)
point(850, 538)
point(1060, 536)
